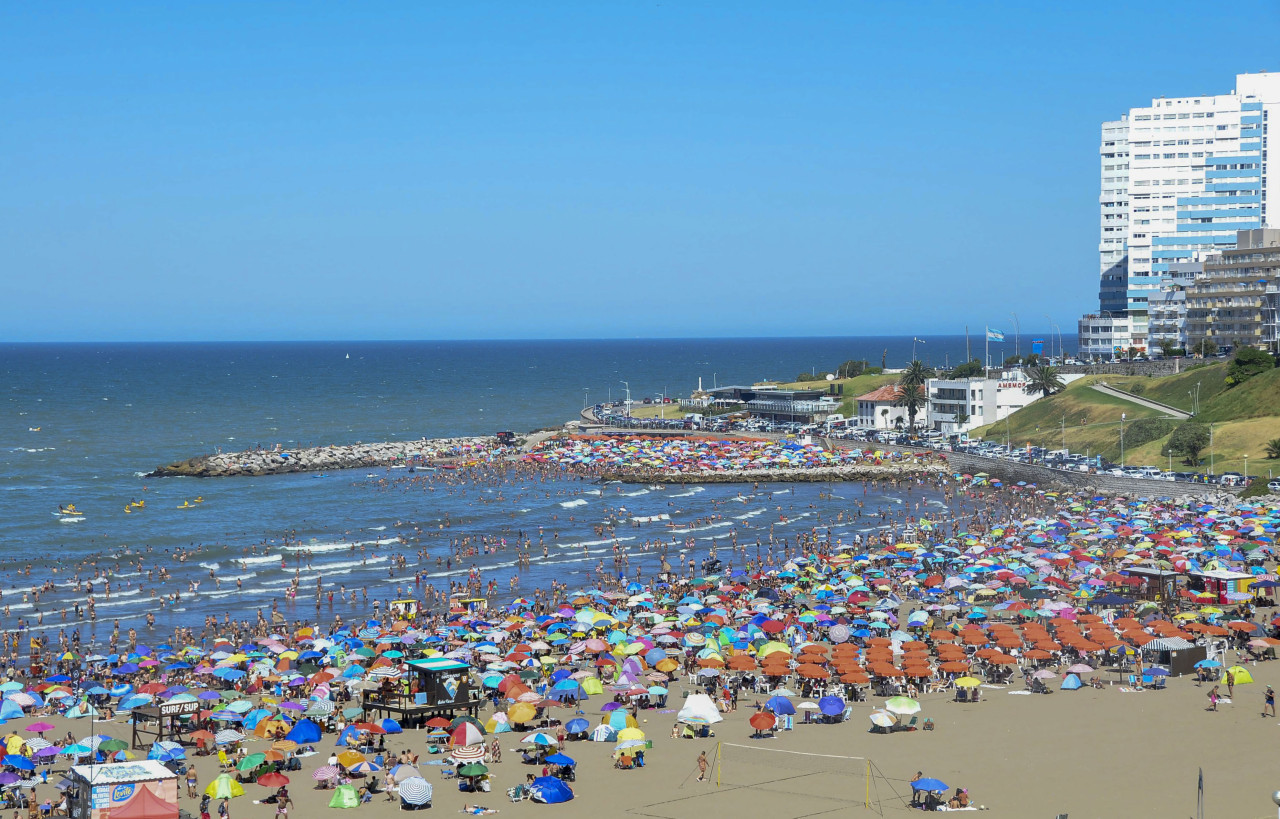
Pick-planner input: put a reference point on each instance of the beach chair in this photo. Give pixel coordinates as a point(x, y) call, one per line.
point(519, 793)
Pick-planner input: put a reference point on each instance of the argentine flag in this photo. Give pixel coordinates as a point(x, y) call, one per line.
point(994, 335)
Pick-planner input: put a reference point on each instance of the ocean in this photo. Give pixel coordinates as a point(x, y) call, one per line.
point(82, 423)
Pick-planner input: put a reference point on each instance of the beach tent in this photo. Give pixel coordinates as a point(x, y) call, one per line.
point(145, 804)
point(1070, 683)
point(348, 733)
point(345, 797)
point(1242, 675)
point(10, 710)
point(550, 790)
point(224, 787)
point(700, 707)
point(304, 732)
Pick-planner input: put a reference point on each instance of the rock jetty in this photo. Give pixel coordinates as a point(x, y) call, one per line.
point(324, 458)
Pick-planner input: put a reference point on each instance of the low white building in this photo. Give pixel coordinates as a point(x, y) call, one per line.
point(958, 405)
point(876, 410)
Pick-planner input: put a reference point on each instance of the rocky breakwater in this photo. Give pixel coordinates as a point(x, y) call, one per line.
point(888, 471)
point(324, 458)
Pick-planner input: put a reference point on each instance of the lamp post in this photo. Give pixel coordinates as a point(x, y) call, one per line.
point(1017, 335)
point(1122, 439)
point(628, 387)
point(1046, 318)
point(1211, 449)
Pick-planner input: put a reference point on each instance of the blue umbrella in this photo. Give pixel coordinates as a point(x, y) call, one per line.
point(780, 705)
point(831, 706)
point(560, 759)
point(577, 726)
point(929, 784)
point(19, 762)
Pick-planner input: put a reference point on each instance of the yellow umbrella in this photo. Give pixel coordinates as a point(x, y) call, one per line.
point(968, 682)
point(592, 685)
point(349, 758)
point(630, 733)
point(522, 712)
point(666, 666)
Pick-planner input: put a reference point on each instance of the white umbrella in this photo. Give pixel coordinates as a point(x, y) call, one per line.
point(415, 790)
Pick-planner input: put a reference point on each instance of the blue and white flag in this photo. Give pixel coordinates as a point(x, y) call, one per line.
point(994, 335)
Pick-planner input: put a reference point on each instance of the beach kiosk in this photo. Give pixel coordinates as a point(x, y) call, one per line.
point(143, 789)
point(153, 723)
point(431, 687)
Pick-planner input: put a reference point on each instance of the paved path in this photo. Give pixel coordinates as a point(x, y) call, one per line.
point(1172, 412)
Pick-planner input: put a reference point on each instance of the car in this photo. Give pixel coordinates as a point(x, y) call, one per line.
point(1273, 486)
point(1231, 479)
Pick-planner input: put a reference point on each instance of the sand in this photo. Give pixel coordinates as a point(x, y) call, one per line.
point(1086, 753)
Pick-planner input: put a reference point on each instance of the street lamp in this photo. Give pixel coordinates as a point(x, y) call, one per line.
point(628, 386)
point(1017, 335)
point(1046, 318)
point(1122, 439)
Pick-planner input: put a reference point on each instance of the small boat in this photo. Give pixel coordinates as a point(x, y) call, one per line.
point(199, 499)
point(348, 355)
point(138, 504)
point(33, 429)
point(69, 509)
point(186, 505)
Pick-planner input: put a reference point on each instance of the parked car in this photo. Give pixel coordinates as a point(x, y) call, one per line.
point(1273, 486)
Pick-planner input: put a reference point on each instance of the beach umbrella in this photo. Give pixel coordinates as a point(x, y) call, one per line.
point(273, 779)
point(348, 758)
point(325, 772)
point(228, 737)
point(883, 719)
point(929, 784)
point(466, 734)
point(473, 769)
point(415, 790)
point(250, 762)
point(560, 759)
point(780, 705)
point(762, 721)
point(539, 738)
point(19, 762)
point(902, 705)
point(365, 767)
point(39, 727)
point(968, 682)
point(831, 706)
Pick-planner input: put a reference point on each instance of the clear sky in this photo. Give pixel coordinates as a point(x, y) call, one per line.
point(257, 170)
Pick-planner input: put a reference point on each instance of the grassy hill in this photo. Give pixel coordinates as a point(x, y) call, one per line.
point(1090, 419)
point(1243, 418)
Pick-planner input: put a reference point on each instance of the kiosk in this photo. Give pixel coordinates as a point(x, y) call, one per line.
point(144, 789)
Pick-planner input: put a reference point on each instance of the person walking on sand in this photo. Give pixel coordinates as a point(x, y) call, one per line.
point(702, 767)
point(1231, 684)
point(1213, 699)
point(192, 782)
point(1269, 701)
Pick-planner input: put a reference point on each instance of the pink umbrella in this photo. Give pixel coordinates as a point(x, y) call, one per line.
point(39, 727)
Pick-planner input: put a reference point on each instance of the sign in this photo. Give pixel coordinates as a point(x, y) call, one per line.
point(174, 709)
point(101, 797)
point(121, 793)
point(450, 684)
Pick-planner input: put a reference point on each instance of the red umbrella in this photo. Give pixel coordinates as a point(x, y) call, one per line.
point(762, 721)
point(273, 779)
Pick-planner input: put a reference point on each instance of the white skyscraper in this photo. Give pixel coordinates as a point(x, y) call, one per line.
point(1179, 178)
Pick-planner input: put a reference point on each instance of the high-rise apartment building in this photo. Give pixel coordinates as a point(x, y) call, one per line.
point(1179, 178)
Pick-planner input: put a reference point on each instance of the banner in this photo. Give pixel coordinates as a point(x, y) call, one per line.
point(994, 335)
point(1037, 346)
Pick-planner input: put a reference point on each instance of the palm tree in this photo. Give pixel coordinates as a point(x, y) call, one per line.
point(1044, 380)
point(1273, 448)
point(911, 389)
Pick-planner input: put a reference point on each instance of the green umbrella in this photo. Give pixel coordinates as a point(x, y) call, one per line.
point(364, 652)
point(473, 769)
point(352, 713)
point(113, 745)
point(250, 762)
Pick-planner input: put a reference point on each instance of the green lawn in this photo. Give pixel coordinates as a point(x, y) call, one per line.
point(1174, 389)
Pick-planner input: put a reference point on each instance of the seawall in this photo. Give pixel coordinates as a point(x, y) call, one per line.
point(324, 458)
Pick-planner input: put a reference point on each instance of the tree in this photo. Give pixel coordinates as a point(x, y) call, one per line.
point(1013, 361)
point(884, 413)
point(1205, 347)
point(1273, 448)
point(961, 417)
point(911, 389)
point(1189, 439)
point(1248, 362)
point(1043, 379)
point(851, 369)
point(969, 369)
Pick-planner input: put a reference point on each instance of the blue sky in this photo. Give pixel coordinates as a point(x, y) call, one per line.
point(496, 170)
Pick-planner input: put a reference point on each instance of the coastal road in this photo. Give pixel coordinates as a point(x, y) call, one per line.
point(1172, 412)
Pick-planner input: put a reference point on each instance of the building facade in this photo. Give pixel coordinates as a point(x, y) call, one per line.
point(958, 405)
point(1180, 178)
point(1233, 302)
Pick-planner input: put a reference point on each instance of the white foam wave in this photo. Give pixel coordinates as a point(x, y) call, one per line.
point(573, 503)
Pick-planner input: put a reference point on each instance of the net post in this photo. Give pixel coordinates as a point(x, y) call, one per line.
point(866, 802)
point(719, 762)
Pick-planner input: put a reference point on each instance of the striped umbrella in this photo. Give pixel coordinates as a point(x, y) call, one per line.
point(468, 753)
point(365, 767)
point(415, 790)
point(325, 772)
point(227, 737)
